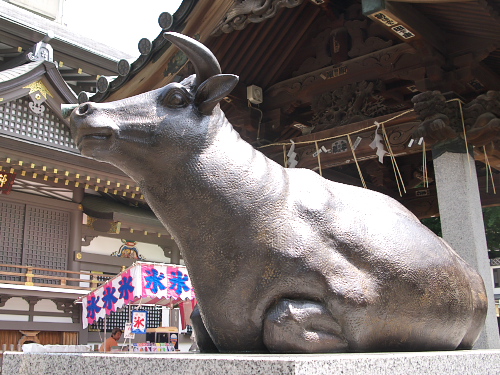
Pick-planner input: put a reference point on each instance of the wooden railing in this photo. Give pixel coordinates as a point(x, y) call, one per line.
point(76, 279)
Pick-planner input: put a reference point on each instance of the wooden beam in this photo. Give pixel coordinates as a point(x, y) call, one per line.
point(336, 142)
point(405, 22)
point(424, 203)
point(380, 65)
point(262, 61)
point(18, 60)
point(488, 78)
point(138, 236)
point(432, 1)
point(79, 77)
point(43, 326)
point(285, 51)
point(10, 52)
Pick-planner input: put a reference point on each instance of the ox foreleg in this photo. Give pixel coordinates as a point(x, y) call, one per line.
point(203, 339)
point(299, 326)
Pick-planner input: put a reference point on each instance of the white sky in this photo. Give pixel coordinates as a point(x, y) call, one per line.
point(117, 23)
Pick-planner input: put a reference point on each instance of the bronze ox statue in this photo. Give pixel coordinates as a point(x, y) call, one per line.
point(282, 260)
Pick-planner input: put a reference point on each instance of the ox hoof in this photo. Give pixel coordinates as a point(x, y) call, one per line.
point(299, 326)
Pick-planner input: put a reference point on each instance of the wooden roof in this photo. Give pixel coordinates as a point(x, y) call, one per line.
point(30, 141)
point(284, 36)
point(331, 68)
point(80, 60)
point(327, 69)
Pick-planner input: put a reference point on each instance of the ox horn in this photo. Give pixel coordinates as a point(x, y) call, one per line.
point(204, 62)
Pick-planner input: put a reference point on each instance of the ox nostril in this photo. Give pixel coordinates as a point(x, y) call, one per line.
point(84, 109)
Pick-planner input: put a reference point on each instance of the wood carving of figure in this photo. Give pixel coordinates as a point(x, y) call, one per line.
point(484, 114)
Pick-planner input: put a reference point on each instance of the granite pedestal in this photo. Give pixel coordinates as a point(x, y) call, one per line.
point(473, 362)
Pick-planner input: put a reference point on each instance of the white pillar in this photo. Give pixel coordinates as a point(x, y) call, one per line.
point(463, 227)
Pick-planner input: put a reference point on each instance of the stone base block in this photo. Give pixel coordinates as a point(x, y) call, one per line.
point(473, 362)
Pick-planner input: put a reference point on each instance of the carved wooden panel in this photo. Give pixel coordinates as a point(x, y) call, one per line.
point(251, 11)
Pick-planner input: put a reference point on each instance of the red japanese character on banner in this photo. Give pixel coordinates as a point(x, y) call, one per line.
point(139, 321)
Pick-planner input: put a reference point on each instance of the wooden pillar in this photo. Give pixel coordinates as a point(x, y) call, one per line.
point(75, 237)
point(175, 257)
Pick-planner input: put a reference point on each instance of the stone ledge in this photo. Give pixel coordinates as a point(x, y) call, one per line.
point(474, 362)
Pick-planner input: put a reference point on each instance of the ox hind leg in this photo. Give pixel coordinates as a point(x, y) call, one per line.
point(203, 339)
point(300, 326)
point(478, 314)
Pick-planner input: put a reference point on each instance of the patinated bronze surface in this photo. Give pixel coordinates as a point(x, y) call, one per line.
point(282, 260)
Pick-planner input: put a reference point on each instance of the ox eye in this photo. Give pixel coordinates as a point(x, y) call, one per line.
point(176, 99)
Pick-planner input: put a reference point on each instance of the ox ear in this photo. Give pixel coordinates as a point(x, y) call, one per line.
point(211, 92)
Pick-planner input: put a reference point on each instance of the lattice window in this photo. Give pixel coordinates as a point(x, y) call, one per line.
point(18, 120)
point(46, 240)
point(119, 318)
point(11, 237)
point(33, 236)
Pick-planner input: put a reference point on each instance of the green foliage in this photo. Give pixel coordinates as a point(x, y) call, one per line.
point(434, 224)
point(491, 216)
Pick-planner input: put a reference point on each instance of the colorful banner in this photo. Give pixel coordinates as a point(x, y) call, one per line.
point(139, 321)
point(143, 283)
point(154, 281)
point(179, 283)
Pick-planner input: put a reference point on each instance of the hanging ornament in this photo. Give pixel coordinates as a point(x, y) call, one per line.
point(489, 172)
point(397, 173)
point(292, 155)
point(377, 144)
point(353, 147)
point(318, 152)
point(424, 166)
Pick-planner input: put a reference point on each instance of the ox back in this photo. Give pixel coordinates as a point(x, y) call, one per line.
point(282, 260)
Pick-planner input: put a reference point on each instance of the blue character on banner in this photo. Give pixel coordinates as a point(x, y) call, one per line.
point(126, 287)
point(154, 279)
point(92, 307)
point(109, 298)
point(178, 281)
